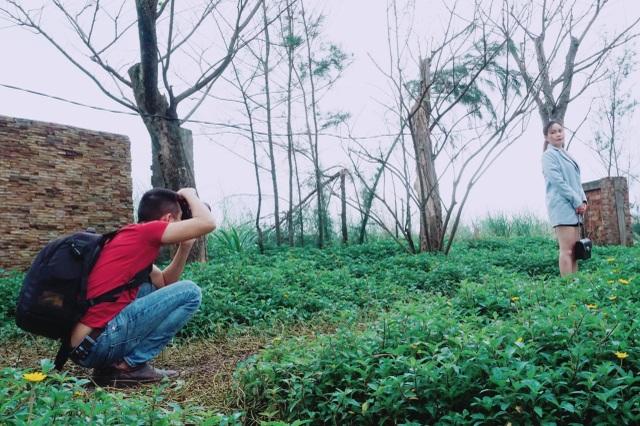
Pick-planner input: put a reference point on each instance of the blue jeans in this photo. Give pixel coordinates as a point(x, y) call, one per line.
point(142, 329)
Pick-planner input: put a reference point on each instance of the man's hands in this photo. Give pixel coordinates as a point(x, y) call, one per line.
point(200, 223)
point(188, 193)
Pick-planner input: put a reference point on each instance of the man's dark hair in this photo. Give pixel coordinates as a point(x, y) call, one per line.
point(157, 202)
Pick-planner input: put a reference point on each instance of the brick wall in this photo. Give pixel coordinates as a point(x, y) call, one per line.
point(608, 218)
point(55, 180)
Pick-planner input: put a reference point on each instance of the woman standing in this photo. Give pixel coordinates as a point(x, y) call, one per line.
point(566, 200)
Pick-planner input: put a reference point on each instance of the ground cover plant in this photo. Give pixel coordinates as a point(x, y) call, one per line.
point(372, 335)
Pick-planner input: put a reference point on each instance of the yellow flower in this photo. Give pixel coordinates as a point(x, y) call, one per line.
point(623, 281)
point(414, 346)
point(276, 339)
point(615, 271)
point(611, 281)
point(574, 306)
point(519, 340)
point(34, 377)
point(449, 303)
point(613, 297)
point(622, 355)
point(78, 393)
point(515, 299)
point(590, 306)
point(611, 259)
point(285, 296)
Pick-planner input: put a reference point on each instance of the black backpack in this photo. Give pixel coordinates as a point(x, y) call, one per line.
point(53, 297)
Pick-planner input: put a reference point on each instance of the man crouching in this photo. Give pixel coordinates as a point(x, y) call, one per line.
point(118, 339)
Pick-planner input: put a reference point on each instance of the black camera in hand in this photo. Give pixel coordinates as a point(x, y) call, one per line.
point(186, 210)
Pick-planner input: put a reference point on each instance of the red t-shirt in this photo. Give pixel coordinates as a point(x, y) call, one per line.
point(134, 248)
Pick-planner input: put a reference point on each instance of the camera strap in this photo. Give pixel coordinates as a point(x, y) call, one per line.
point(581, 225)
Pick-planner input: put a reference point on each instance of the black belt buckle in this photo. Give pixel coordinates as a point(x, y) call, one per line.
point(81, 351)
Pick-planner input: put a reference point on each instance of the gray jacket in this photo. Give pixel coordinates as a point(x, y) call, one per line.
point(564, 190)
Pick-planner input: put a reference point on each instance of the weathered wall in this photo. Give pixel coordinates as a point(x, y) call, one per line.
point(608, 217)
point(55, 180)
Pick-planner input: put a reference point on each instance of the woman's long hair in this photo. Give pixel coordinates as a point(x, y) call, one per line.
point(545, 132)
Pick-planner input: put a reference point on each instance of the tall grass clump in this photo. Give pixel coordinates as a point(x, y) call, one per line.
point(503, 225)
point(238, 238)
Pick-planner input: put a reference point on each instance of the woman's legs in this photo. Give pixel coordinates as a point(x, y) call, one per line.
point(567, 237)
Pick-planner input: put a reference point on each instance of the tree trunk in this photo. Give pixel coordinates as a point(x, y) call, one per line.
point(426, 184)
point(267, 94)
point(167, 139)
point(312, 133)
point(290, 65)
point(343, 195)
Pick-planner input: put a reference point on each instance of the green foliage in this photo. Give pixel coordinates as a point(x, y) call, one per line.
point(334, 119)
point(489, 334)
point(246, 288)
point(46, 397)
point(336, 58)
point(505, 349)
point(10, 283)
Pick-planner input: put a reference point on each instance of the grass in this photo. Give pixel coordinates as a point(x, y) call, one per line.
point(371, 335)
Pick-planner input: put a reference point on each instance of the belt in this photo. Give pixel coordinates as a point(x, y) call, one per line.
point(81, 351)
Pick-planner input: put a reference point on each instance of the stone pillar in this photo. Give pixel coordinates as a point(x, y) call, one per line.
point(608, 218)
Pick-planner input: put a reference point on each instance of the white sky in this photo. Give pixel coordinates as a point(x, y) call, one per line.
point(514, 184)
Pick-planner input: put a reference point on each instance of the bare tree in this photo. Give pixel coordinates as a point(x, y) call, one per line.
point(249, 109)
point(548, 44)
point(315, 76)
point(467, 109)
point(290, 42)
point(264, 60)
point(171, 36)
point(614, 115)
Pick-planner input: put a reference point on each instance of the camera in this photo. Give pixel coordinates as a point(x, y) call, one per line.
point(186, 210)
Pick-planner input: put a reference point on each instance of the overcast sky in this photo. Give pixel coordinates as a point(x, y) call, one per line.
point(514, 183)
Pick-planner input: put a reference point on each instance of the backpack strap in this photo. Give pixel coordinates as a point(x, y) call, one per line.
point(114, 294)
point(89, 259)
point(63, 353)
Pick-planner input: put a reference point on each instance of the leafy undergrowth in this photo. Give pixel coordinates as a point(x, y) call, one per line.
point(371, 335)
point(506, 349)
